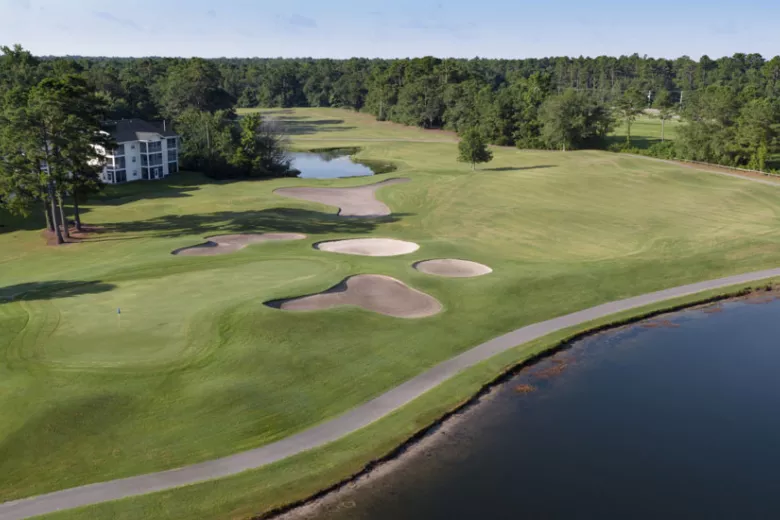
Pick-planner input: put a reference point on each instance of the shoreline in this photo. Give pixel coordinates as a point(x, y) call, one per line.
point(511, 352)
point(426, 437)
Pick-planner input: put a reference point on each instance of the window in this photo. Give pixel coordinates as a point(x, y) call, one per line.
point(132, 147)
point(171, 143)
point(119, 163)
point(155, 146)
point(157, 172)
point(121, 176)
point(173, 155)
point(110, 177)
point(134, 158)
point(155, 159)
point(144, 160)
point(119, 150)
point(173, 167)
point(145, 174)
point(143, 147)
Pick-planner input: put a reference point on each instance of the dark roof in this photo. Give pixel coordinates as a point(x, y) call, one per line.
point(137, 130)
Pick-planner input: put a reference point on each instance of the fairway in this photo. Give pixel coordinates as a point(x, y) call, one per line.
point(645, 131)
point(196, 366)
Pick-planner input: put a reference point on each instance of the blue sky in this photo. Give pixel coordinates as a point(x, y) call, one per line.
point(391, 28)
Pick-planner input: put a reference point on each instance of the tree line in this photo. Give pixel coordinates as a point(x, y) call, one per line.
point(729, 105)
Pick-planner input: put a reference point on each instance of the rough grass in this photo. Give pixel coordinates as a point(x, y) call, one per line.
point(198, 367)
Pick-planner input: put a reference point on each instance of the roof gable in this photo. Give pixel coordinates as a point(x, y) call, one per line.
point(127, 130)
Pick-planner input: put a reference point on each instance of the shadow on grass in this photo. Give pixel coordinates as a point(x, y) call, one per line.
point(35, 291)
point(268, 220)
point(518, 168)
point(10, 223)
point(307, 126)
point(643, 143)
point(174, 187)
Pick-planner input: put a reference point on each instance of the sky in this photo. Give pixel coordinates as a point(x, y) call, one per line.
point(392, 28)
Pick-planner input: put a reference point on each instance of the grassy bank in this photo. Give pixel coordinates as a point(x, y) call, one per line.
point(198, 367)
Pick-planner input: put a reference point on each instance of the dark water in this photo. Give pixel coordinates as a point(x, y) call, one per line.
point(328, 166)
point(680, 419)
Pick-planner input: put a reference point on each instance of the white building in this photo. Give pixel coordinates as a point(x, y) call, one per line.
point(144, 151)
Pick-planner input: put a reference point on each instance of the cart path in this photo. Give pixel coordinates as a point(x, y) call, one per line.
point(352, 420)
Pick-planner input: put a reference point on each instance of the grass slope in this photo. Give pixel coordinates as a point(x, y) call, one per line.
point(199, 368)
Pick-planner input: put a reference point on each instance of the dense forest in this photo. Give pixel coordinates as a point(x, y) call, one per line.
point(730, 104)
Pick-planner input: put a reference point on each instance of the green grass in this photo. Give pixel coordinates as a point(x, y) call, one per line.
point(645, 131)
point(198, 367)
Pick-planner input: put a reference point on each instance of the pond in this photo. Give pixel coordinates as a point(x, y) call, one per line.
point(328, 165)
point(677, 416)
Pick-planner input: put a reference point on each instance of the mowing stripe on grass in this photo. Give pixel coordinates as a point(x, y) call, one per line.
point(353, 420)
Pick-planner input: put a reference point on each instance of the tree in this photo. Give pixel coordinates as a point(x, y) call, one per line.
point(757, 132)
point(663, 102)
point(629, 106)
point(261, 148)
point(574, 120)
point(195, 84)
point(56, 126)
point(473, 149)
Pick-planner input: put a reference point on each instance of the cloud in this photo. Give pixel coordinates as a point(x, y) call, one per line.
point(21, 4)
point(211, 13)
point(123, 22)
point(302, 21)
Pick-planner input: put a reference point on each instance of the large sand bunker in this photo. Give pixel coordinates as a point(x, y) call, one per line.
point(223, 244)
point(369, 247)
point(452, 267)
point(371, 292)
point(359, 201)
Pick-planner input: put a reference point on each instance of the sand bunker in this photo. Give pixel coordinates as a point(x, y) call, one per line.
point(369, 247)
point(371, 292)
point(223, 244)
point(452, 268)
point(358, 201)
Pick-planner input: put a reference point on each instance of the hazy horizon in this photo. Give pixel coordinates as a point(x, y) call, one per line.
point(389, 29)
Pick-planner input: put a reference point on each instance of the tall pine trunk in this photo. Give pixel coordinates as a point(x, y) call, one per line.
point(53, 199)
point(76, 213)
point(47, 214)
point(63, 217)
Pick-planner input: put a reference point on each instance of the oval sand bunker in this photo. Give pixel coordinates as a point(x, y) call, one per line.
point(369, 247)
point(452, 268)
point(223, 244)
point(372, 292)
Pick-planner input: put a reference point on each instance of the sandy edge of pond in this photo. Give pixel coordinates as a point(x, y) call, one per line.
point(418, 444)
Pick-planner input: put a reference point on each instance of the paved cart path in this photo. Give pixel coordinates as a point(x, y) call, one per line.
point(351, 421)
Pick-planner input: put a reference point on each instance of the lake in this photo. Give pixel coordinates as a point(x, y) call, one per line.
point(678, 416)
point(329, 165)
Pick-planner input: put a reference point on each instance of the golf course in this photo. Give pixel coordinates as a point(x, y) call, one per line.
point(120, 358)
